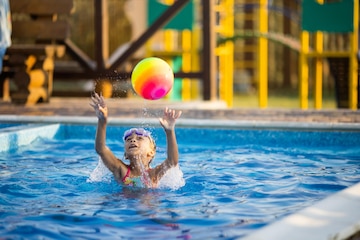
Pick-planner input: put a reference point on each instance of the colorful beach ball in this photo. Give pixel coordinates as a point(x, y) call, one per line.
point(152, 78)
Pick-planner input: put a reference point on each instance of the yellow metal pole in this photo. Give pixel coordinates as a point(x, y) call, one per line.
point(225, 69)
point(169, 43)
point(226, 53)
point(353, 74)
point(229, 73)
point(318, 70)
point(318, 67)
point(186, 64)
point(230, 52)
point(222, 71)
point(195, 60)
point(263, 55)
point(169, 46)
point(304, 70)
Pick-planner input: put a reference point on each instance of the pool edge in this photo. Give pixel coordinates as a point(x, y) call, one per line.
point(26, 135)
point(334, 217)
point(195, 123)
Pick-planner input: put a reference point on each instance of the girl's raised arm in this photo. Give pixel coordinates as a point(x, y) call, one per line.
point(111, 162)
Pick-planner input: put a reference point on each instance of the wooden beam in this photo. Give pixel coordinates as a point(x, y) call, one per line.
point(161, 21)
point(209, 44)
point(101, 23)
point(40, 29)
point(69, 74)
point(41, 7)
point(287, 51)
point(82, 58)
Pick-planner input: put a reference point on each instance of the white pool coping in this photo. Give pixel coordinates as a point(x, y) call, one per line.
point(333, 218)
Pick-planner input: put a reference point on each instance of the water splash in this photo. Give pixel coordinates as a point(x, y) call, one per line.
point(145, 178)
point(144, 117)
point(100, 173)
point(172, 179)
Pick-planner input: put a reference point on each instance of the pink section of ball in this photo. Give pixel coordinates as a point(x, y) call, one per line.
point(155, 88)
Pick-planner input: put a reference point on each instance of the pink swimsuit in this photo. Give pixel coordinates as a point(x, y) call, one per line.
point(135, 181)
point(126, 175)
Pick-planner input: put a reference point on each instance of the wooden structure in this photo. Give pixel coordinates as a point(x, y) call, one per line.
point(317, 19)
point(48, 35)
point(109, 67)
point(177, 43)
point(346, 22)
point(37, 34)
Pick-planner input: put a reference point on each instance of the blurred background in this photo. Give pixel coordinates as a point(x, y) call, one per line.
point(239, 28)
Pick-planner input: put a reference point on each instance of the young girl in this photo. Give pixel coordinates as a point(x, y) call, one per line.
point(140, 149)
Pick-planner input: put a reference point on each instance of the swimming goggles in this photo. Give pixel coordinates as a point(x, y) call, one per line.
point(137, 131)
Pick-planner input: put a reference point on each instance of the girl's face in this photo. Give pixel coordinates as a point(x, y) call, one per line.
point(137, 145)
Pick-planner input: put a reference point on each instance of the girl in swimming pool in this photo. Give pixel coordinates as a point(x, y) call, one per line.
point(139, 149)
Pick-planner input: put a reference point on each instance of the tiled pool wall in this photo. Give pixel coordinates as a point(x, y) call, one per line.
point(335, 217)
point(14, 136)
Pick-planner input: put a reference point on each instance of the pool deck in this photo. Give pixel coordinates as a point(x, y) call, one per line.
point(336, 217)
point(206, 110)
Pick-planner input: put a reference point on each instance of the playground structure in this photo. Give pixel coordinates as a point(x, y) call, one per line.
point(311, 57)
point(180, 44)
point(317, 19)
point(205, 53)
point(347, 22)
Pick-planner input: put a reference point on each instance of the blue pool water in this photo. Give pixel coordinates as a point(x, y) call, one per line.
point(236, 181)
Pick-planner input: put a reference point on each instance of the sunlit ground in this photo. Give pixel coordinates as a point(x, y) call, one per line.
point(281, 100)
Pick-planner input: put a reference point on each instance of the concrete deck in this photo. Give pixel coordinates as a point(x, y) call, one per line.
point(135, 108)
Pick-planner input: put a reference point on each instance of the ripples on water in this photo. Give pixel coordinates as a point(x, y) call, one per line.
point(47, 191)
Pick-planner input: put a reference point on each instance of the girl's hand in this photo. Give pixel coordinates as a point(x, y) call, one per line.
point(99, 105)
point(169, 118)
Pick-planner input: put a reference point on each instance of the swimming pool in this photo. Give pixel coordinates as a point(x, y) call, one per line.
point(236, 181)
